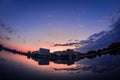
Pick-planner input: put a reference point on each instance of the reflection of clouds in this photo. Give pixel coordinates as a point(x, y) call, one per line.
point(103, 64)
point(91, 68)
point(97, 68)
point(70, 69)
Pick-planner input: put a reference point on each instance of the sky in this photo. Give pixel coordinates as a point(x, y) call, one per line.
point(33, 24)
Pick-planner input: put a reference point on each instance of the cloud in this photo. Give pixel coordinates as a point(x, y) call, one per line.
point(6, 28)
point(108, 37)
point(1, 37)
point(5, 31)
point(93, 38)
point(7, 38)
point(8, 32)
point(89, 40)
point(98, 40)
point(96, 35)
point(66, 44)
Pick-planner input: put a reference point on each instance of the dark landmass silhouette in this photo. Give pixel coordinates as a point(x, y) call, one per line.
point(112, 49)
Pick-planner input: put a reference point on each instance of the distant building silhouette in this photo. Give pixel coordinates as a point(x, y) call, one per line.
point(44, 51)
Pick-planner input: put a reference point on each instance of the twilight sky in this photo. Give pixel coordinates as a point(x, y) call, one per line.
point(31, 24)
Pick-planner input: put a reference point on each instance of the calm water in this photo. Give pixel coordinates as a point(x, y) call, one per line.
point(18, 67)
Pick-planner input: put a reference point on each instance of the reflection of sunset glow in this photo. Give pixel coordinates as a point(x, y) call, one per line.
point(32, 63)
point(29, 63)
point(53, 65)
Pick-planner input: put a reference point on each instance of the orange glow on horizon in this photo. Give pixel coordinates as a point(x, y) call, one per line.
point(35, 48)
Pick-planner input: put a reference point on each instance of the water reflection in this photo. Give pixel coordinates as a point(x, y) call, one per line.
point(43, 61)
point(67, 62)
point(103, 67)
point(96, 67)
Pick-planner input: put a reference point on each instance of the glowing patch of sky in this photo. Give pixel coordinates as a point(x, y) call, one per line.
point(55, 21)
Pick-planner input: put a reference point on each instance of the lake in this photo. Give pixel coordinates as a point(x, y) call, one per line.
point(19, 67)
